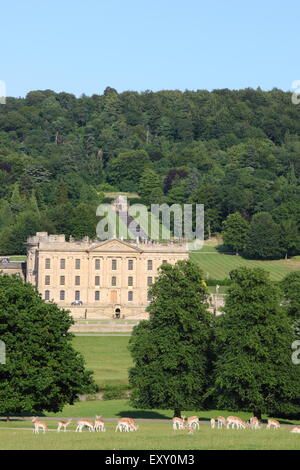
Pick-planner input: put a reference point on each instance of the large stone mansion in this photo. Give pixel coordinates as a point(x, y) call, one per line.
point(95, 279)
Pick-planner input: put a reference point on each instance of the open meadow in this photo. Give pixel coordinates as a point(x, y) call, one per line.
point(150, 435)
point(216, 265)
point(109, 358)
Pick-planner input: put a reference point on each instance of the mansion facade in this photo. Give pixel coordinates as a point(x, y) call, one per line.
point(97, 279)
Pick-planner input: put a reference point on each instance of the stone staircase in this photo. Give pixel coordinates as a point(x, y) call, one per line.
point(103, 326)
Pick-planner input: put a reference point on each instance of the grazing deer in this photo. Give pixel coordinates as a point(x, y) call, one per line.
point(235, 421)
point(193, 422)
point(126, 425)
point(212, 423)
point(63, 424)
point(221, 422)
point(82, 423)
point(254, 423)
point(37, 425)
point(296, 429)
point(99, 424)
point(178, 423)
point(273, 423)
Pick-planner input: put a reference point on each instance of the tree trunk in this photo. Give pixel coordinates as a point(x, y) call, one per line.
point(257, 413)
point(177, 413)
point(209, 232)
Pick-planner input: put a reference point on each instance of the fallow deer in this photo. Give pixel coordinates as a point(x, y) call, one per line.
point(296, 429)
point(193, 422)
point(82, 423)
point(126, 425)
point(63, 424)
point(221, 422)
point(99, 424)
point(37, 425)
point(235, 421)
point(273, 423)
point(178, 423)
point(254, 423)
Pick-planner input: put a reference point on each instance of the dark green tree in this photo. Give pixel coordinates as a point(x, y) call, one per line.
point(149, 184)
point(17, 203)
point(125, 170)
point(84, 221)
point(235, 229)
point(42, 372)
point(290, 287)
point(171, 350)
point(263, 240)
point(289, 237)
point(13, 238)
point(253, 367)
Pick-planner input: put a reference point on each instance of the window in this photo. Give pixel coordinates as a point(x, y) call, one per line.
point(165, 261)
point(149, 281)
point(150, 265)
point(77, 263)
point(62, 263)
point(77, 295)
point(62, 295)
point(97, 264)
point(47, 263)
point(130, 296)
point(97, 295)
point(114, 281)
point(113, 264)
point(149, 298)
point(47, 294)
point(62, 280)
point(130, 281)
point(130, 264)
point(47, 280)
point(97, 280)
point(77, 280)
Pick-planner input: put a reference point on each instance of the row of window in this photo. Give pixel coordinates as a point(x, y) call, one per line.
point(97, 295)
point(97, 264)
point(62, 281)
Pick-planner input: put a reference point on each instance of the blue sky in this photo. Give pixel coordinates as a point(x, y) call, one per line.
point(84, 46)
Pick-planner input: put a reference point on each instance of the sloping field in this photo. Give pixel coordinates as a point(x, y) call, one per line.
point(218, 266)
point(107, 356)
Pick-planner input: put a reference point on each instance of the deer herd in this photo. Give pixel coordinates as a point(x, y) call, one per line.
point(191, 424)
point(124, 425)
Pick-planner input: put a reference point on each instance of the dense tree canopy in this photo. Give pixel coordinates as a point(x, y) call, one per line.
point(229, 150)
point(171, 350)
point(42, 372)
point(235, 231)
point(253, 367)
point(290, 286)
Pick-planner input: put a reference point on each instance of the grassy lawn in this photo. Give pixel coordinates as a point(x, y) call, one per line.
point(151, 436)
point(218, 266)
point(107, 356)
point(121, 408)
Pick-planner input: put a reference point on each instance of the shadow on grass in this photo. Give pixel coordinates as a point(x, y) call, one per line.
point(144, 414)
point(22, 416)
point(224, 250)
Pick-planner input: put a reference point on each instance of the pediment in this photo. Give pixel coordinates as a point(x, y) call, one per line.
point(114, 245)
